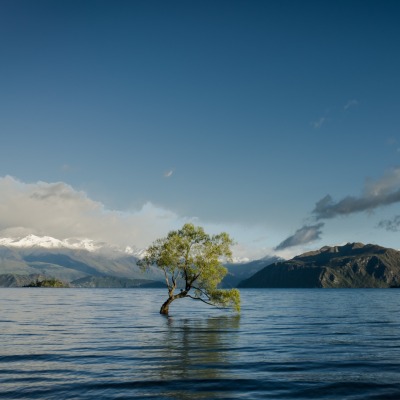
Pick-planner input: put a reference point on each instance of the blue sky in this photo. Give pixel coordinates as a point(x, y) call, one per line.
point(237, 115)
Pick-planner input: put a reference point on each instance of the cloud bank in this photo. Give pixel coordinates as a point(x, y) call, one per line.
point(377, 193)
point(382, 192)
point(304, 235)
point(58, 210)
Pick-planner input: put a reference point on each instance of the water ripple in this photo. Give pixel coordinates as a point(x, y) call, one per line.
point(286, 344)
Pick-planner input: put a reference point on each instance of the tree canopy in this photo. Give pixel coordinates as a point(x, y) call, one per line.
point(191, 261)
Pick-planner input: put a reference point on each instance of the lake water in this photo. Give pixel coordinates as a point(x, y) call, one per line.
point(113, 344)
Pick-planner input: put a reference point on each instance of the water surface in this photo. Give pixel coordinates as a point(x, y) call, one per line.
point(113, 343)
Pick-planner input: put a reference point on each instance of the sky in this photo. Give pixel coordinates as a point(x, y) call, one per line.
point(275, 121)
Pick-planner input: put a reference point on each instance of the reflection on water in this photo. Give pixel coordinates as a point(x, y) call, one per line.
point(196, 355)
point(199, 349)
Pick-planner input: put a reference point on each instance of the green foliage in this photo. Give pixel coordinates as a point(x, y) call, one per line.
point(193, 258)
point(50, 282)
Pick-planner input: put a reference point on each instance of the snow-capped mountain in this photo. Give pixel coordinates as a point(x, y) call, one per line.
point(71, 260)
point(96, 263)
point(47, 242)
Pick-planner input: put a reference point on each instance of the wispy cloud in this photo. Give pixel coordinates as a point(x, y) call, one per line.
point(393, 142)
point(66, 168)
point(318, 123)
point(392, 225)
point(330, 114)
point(169, 173)
point(304, 235)
point(350, 104)
point(381, 192)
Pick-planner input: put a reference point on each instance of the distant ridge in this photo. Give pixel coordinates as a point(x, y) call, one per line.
point(90, 263)
point(86, 263)
point(353, 265)
point(14, 280)
point(113, 282)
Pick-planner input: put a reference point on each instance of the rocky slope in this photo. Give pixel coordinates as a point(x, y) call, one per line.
point(353, 265)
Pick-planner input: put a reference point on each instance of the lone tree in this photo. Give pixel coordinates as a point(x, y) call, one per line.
point(191, 258)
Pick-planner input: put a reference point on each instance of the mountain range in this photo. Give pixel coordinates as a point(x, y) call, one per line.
point(47, 242)
point(86, 263)
point(353, 265)
point(70, 260)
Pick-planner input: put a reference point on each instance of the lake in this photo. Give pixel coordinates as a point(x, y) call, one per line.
point(285, 344)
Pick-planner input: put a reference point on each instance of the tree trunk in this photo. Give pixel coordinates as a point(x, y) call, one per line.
point(165, 307)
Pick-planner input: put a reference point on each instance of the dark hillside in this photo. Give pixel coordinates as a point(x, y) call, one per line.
point(353, 265)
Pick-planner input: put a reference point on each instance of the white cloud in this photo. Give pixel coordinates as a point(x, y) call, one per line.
point(59, 210)
point(168, 174)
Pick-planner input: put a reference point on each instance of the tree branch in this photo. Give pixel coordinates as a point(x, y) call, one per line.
point(195, 277)
point(186, 279)
point(202, 291)
point(166, 279)
point(210, 304)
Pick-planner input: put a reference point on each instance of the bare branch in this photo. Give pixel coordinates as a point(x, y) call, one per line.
point(166, 279)
point(196, 276)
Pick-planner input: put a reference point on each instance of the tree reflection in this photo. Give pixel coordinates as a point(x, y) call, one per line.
point(198, 352)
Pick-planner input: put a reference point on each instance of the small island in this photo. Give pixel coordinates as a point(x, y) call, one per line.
point(51, 282)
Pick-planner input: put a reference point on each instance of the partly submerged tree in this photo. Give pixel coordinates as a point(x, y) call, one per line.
point(191, 259)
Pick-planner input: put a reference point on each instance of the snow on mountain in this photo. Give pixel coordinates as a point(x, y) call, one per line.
point(32, 241)
point(240, 260)
point(105, 249)
point(139, 253)
point(47, 242)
